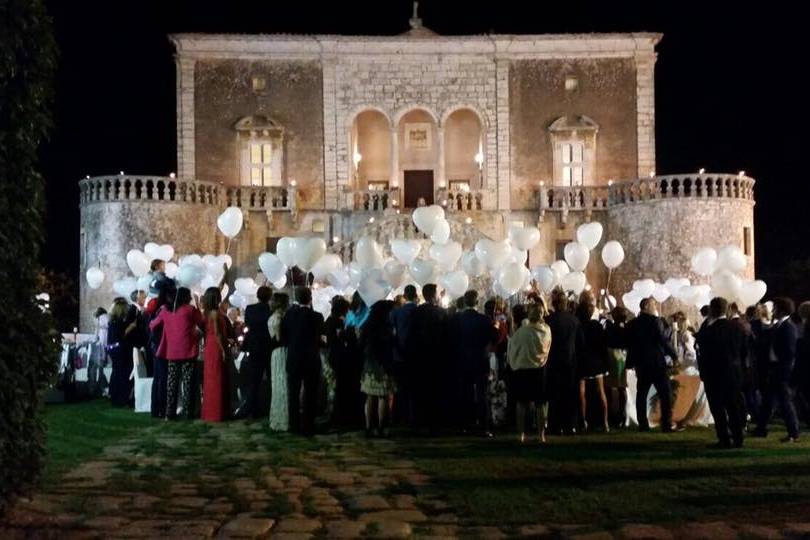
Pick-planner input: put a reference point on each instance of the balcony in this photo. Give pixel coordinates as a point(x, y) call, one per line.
point(461, 199)
point(676, 186)
point(126, 188)
point(371, 200)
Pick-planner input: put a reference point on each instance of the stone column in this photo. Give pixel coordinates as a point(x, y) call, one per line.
point(185, 118)
point(502, 132)
point(645, 108)
point(394, 181)
point(441, 181)
point(330, 143)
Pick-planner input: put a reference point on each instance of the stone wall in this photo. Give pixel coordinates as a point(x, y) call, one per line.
point(606, 92)
point(660, 237)
point(292, 97)
point(110, 230)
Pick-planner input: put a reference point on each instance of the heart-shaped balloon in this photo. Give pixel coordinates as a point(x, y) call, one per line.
point(355, 273)
point(447, 255)
point(194, 259)
point(731, 258)
point(661, 293)
point(339, 279)
point(674, 285)
point(612, 254)
point(423, 271)
point(574, 282)
point(726, 284)
point(441, 232)
point(472, 265)
point(545, 277)
point(704, 261)
point(394, 273)
point(280, 283)
point(632, 301)
point(308, 251)
point(171, 270)
point(518, 256)
point(286, 250)
point(215, 266)
point(644, 287)
point(368, 253)
point(751, 292)
point(138, 262)
point(326, 265)
point(246, 286)
point(560, 268)
point(124, 287)
point(589, 234)
point(512, 277)
point(426, 217)
point(230, 221)
point(456, 283)
point(95, 277)
point(404, 250)
point(271, 266)
point(144, 282)
point(373, 287)
point(524, 238)
point(493, 254)
point(154, 251)
point(189, 275)
point(576, 255)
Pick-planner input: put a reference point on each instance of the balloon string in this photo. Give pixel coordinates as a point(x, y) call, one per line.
point(228, 247)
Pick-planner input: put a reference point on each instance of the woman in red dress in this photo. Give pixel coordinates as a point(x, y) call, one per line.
point(215, 403)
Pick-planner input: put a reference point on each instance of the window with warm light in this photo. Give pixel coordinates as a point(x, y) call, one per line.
point(572, 159)
point(261, 154)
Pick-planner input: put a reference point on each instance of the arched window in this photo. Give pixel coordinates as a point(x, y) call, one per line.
point(573, 140)
point(261, 148)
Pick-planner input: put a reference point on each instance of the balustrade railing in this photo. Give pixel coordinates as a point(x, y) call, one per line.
point(461, 200)
point(372, 200)
point(168, 189)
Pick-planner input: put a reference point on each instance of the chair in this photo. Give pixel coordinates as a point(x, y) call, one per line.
point(143, 384)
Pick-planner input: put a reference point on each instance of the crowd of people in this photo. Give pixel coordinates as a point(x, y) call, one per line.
point(471, 367)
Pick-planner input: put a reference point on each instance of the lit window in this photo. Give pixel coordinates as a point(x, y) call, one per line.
point(260, 165)
point(573, 163)
point(747, 240)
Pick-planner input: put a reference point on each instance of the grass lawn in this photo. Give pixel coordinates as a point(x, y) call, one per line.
point(607, 480)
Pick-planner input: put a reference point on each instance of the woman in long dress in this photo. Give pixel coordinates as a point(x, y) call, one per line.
point(279, 408)
point(216, 401)
point(377, 383)
point(594, 363)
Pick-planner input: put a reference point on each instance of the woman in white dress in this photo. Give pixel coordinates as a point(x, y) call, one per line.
point(279, 414)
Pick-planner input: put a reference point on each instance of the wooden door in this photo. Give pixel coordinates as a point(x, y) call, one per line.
point(418, 184)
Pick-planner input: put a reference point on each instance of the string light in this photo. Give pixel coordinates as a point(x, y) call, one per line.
point(335, 239)
point(171, 175)
point(121, 173)
point(371, 219)
point(610, 181)
point(702, 170)
point(741, 174)
point(652, 174)
point(468, 220)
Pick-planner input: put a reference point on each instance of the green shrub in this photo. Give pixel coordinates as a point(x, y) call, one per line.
point(28, 343)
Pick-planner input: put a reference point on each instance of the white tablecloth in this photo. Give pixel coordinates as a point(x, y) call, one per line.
point(689, 407)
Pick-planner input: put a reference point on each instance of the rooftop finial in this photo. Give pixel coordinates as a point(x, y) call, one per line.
point(415, 21)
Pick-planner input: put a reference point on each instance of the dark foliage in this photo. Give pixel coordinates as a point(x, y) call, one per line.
point(28, 347)
point(64, 306)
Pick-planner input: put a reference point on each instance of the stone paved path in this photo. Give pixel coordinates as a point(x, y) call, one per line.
point(231, 482)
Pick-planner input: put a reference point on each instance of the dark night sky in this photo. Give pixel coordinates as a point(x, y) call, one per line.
point(728, 91)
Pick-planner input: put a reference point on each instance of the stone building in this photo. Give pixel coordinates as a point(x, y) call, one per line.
point(340, 136)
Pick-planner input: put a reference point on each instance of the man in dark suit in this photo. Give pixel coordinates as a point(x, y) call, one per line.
point(302, 331)
point(401, 322)
point(257, 345)
point(429, 339)
point(567, 343)
point(782, 355)
point(647, 346)
point(473, 335)
point(722, 348)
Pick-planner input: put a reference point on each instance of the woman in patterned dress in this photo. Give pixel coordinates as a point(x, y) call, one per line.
point(377, 344)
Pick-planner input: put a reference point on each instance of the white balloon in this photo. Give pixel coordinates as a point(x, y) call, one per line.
point(456, 283)
point(447, 255)
point(423, 271)
point(194, 259)
point(661, 292)
point(308, 251)
point(94, 276)
point(524, 238)
point(138, 262)
point(246, 286)
point(144, 282)
point(493, 254)
point(518, 256)
point(171, 270)
point(286, 250)
point(355, 273)
point(545, 277)
point(326, 265)
point(704, 295)
point(404, 250)
point(368, 253)
point(472, 265)
point(373, 287)
point(704, 261)
point(644, 287)
point(576, 255)
point(752, 292)
point(124, 287)
point(731, 258)
point(154, 251)
point(280, 282)
point(499, 291)
point(589, 234)
point(560, 269)
point(612, 254)
point(271, 266)
point(426, 217)
point(230, 221)
point(214, 266)
point(189, 275)
point(237, 300)
point(441, 232)
point(674, 286)
point(632, 301)
point(512, 277)
point(340, 279)
point(726, 284)
point(207, 282)
point(574, 282)
point(394, 273)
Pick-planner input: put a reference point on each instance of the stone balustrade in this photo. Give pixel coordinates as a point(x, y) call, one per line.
point(124, 188)
point(676, 186)
point(461, 200)
point(372, 200)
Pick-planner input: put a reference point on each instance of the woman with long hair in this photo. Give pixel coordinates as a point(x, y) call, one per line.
point(616, 380)
point(338, 359)
point(353, 367)
point(593, 362)
point(216, 402)
point(180, 345)
point(279, 402)
point(119, 348)
point(377, 344)
point(160, 367)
